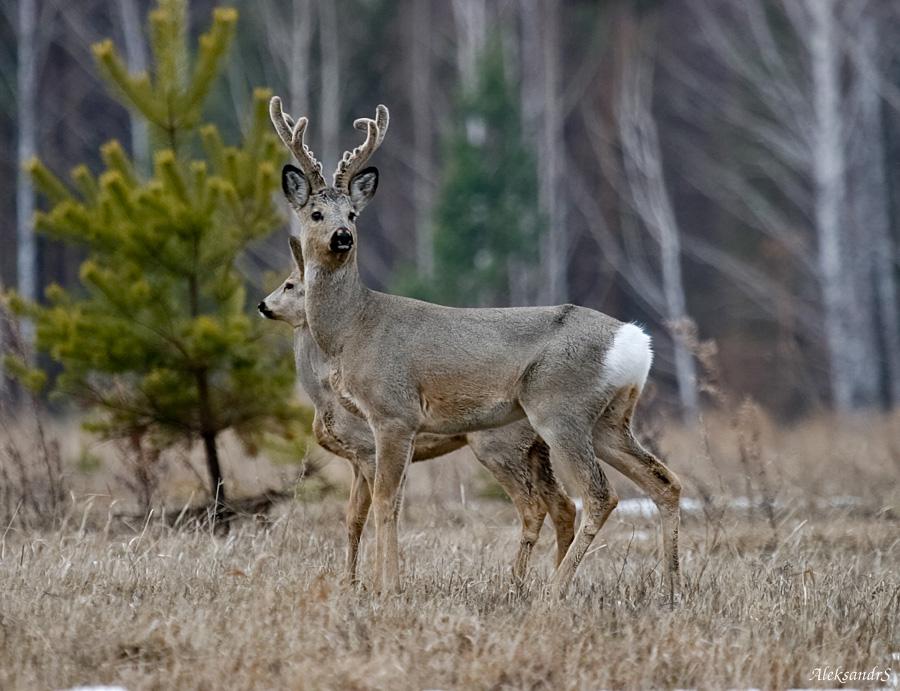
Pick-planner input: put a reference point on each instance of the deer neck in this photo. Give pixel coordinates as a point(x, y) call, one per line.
point(336, 301)
point(313, 367)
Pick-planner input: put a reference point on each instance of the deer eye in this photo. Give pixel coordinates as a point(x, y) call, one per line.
point(288, 286)
point(352, 215)
point(317, 216)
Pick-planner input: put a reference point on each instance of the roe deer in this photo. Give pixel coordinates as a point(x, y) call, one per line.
point(410, 367)
point(514, 454)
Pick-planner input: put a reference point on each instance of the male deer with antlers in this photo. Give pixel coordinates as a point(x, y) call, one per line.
point(514, 454)
point(410, 367)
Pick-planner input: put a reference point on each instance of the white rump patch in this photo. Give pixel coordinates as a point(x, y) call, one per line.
point(628, 360)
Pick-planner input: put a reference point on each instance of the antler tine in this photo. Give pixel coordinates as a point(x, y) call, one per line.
point(292, 135)
point(381, 120)
point(353, 161)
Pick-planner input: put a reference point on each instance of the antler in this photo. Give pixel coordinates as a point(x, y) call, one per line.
point(353, 161)
point(292, 136)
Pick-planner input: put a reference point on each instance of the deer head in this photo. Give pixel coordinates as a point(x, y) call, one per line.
point(328, 214)
point(287, 303)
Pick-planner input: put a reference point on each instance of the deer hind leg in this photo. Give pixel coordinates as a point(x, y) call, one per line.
point(614, 442)
point(559, 506)
point(393, 452)
point(531, 513)
point(509, 463)
point(570, 446)
point(357, 513)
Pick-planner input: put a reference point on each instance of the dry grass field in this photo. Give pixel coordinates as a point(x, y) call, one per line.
point(791, 563)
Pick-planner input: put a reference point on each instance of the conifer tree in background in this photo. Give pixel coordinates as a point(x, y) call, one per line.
point(487, 222)
point(160, 343)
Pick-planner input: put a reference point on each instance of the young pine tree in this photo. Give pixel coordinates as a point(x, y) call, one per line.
point(159, 342)
point(486, 216)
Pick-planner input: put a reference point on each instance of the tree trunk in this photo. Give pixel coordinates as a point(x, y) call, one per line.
point(301, 36)
point(530, 65)
point(217, 485)
point(208, 427)
point(471, 21)
point(871, 214)
point(535, 289)
point(542, 112)
point(136, 55)
point(330, 72)
point(423, 128)
point(642, 161)
point(551, 157)
point(26, 118)
point(829, 202)
point(300, 48)
point(208, 434)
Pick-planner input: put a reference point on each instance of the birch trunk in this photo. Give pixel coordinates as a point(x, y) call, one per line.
point(551, 153)
point(136, 55)
point(330, 74)
point(289, 39)
point(423, 165)
point(531, 64)
point(542, 113)
point(301, 35)
point(300, 47)
point(871, 215)
point(642, 162)
point(470, 17)
point(829, 201)
point(26, 117)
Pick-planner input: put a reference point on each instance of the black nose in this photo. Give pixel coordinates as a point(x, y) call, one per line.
point(341, 241)
point(263, 310)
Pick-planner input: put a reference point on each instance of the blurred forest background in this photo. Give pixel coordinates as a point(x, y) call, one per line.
point(731, 164)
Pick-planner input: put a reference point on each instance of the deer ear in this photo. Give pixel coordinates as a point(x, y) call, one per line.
point(363, 186)
point(295, 186)
point(297, 252)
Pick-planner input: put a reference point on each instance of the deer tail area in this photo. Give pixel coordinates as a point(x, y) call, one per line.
point(628, 361)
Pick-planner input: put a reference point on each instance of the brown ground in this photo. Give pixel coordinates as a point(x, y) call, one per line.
point(805, 575)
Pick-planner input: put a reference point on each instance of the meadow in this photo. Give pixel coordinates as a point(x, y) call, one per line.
point(790, 557)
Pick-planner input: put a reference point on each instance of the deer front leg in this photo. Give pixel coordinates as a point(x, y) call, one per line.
point(393, 452)
point(357, 512)
point(509, 465)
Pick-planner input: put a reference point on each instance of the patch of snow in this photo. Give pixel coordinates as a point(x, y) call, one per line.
point(643, 507)
point(844, 500)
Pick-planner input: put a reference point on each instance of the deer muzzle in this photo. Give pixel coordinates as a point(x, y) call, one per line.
point(341, 241)
point(265, 311)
